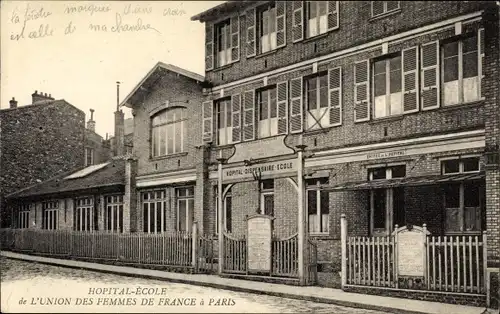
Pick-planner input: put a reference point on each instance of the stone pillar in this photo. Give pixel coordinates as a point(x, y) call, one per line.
point(101, 212)
point(200, 201)
point(130, 196)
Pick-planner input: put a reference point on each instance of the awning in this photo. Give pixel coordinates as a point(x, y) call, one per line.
point(408, 181)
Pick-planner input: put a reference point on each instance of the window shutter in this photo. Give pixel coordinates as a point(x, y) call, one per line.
point(249, 115)
point(298, 21)
point(208, 111)
point(480, 62)
point(333, 15)
point(280, 24)
point(235, 38)
point(250, 20)
point(209, 47)
point(335, 96)
point(361, 91)
point(377, 7)
point(236, 117)
point(282, 103)
point(410, 79)
point(296, 120)
point(430, 75)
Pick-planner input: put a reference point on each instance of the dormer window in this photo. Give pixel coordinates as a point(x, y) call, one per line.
point(168, 132)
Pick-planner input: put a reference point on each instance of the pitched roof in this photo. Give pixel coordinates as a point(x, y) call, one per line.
point(109, 174)
point(223, 9)
point(151, 78)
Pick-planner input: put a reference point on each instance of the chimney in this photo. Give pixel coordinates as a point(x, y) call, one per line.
point(119, 126)
point(13, 103)
point(91, 122)
point(38, 97)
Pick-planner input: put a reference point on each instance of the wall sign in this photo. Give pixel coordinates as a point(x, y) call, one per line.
point(391, 154)
point(411, 251)
point(263, 148)
point(259, 233)
point(267, 168)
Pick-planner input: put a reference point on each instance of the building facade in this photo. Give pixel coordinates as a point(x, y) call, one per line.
point(38, 141)
point(97, 149)
point(377, 91)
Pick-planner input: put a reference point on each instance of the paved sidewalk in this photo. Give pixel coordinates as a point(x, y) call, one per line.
point(312, 293)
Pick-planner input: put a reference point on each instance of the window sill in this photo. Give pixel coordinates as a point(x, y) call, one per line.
point(463, 105)
point(224, 146)
point(310, 39)
point(320, 130)
point(387, 119)
point(266, 54)
point(168, 156)
point(227, 66)
point(384, 15)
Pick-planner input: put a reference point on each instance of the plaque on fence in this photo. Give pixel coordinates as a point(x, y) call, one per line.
point(411, 251)
point(259, 233)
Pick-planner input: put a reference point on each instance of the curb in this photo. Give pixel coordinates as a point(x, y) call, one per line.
point(382, 308)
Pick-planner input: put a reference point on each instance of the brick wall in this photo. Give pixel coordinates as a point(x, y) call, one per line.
point(39, 142)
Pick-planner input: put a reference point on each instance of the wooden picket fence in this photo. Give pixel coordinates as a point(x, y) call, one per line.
point(453, 263)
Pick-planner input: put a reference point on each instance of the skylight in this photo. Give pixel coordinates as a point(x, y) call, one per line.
point(86, 171)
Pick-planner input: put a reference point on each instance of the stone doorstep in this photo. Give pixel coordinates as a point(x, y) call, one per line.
point(226, 286)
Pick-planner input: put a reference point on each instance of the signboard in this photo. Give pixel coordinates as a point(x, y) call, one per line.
point(411, 251)
point(263, 148)
point(390, 154)
point(266, 168)
point(259, 235)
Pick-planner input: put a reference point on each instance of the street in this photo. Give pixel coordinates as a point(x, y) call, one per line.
point(33, 287)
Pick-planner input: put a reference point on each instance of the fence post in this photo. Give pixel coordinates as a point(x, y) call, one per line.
point(343, 244)
point(485, 270)
point(426, 258)
point(195, 246)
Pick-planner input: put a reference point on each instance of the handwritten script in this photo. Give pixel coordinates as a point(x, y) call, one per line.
point(34, 21)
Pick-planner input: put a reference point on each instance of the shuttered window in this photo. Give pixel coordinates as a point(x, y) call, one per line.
point(387, 89)
point(227, 43)
point(383, 7)
point(361, 91)
point(461, 70)
point(335, 96)
point(267, 28)
point(297, 21)
point(249, 115)
point(322, 16)
point(223, 36)
point(207, 122)
point(268, 112)
point(236, 117)
point(410, 80)
point(209, 47)
point(429, 54)
point(296, 108)
point(251, 21)
point(282, 100)
point(317, 101)
point(223, 121)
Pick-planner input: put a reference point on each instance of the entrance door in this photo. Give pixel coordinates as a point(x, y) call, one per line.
point(386, 210)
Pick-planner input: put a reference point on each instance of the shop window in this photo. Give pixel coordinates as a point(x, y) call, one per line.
point(317, 101)
point(224, 122)
point(185, 208)
point(85, 215)
point(460, 165)
point(24, 215)
point(461, 70)
point(387, 81)
point(169, 132)
point(223, 39)
point(268, 115)
point(267, 197)
point(89, 156)
point(154, 205)
point(318, 206)
point(50, 215)
point(383, 7)
point(391, 172)
point(113, 216)
point(267, 26)
point(227, 215)
point(462, 203)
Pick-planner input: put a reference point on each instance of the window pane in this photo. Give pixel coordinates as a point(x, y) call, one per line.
point(322, 7)
point(312, 202)
point(471, 195)
point(312, 9)
point(380, 84)
point(152, 217)
point(323, 97)
point(472, 219)
point(379, 173)
point(162, 135)
point(182, 215)
point(379, 67)
point(470, 64)
point(264, 105)
point(170, 138)
point(471, 164)
point(158, 216)
point(450, 69)
point(311, 100)
point(452, 196)
point(452, 219)
point(451, 166)
point(178, 136)
point(398, 171)
point(379, 210)
point(228, 113)
point(450, 49)
point(269, 204)
point(325, 202)
point(469, 44)
point(272, 103)
point(395, 76)
point(268, 184)
point(229, 205)
point(220, 116)
point(272, 20)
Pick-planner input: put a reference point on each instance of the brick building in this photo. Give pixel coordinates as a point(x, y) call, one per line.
point(379, 92)
point(38, 142)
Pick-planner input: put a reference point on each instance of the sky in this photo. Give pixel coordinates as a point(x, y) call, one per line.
point(78, 50)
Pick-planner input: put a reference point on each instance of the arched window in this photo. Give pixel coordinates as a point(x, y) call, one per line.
point(168, 132)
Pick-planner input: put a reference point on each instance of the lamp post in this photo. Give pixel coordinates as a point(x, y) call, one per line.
point(302, 234)
point(220, 212)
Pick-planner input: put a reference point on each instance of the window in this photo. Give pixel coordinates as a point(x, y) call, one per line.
point(224, 122)
point(85, 215)
point(461, 77)
point(386, 205)
point(317, 101)
point(113, 216)
point(223, 36)
point(317, 206)
point(317, 22)
point(89, 156)
point(382, 7)
point(154, 206)
point(169, 132)
point(460, 165)
point(387, 78)
point(462, 203)
point(24, 215)
point(185, 208)
point(227, 205)
point(267, 197)
point(267, 26)
point(268, 115)
point(49, 215)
